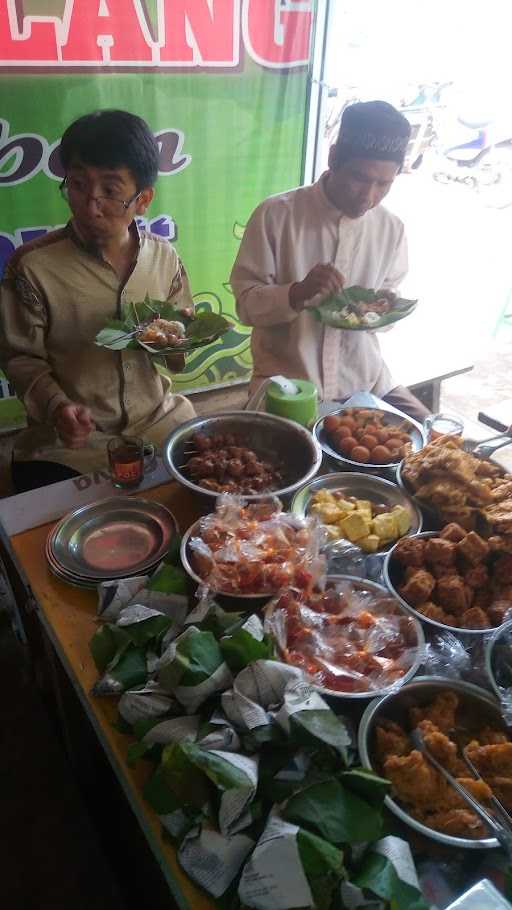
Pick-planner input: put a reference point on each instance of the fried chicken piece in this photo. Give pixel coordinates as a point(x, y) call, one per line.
point(440, 552)
point(475, 618)
point(413, 779)
point(474, 548)
point(441, 711)
point(457, 823)
point(418, 588)
point(409, 552)
point(453, 532)
point(494, 760)
point(502, 569)
point(499, 516)
point(487, 469)
point(391, 740)
point(443, 493)
point(451, 593)
point(502, 789)
point(477, 576)
point(439, 745)
point(435, 612)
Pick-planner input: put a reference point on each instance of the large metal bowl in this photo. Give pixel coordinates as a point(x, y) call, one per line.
point(410, 426)
point(392, 572)
point(395, 707)
point(420, 641)
point(362, 486)
point(273, 438)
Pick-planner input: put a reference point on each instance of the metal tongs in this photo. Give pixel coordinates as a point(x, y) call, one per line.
point(488, 447)
point(501, 826)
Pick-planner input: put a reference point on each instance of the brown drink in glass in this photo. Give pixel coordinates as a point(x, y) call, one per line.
point(126, 460)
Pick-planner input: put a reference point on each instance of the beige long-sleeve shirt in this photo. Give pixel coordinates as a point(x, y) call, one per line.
point(286, 236)
point(55, 297)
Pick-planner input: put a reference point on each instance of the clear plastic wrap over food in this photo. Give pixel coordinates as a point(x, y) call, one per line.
point(445, 655)
point(256, 548)
point(348, 637)
point(501, 670)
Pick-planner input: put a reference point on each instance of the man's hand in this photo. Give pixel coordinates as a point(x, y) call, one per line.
point(73, 424)
point(323, 279)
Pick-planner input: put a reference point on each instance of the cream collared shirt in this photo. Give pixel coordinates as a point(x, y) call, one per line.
point(286, 236)
point(56, 295)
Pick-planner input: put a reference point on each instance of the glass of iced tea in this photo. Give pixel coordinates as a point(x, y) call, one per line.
point(436, 425)
point(126, 455)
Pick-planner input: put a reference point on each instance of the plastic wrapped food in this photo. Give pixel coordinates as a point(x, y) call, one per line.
point(256, 548)
point(348, 638)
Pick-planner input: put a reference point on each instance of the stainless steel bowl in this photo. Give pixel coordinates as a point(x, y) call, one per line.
point(410, 426)
point(391, 573)
point(420, 639)
point(489, 653)
point(395, 707)
point(253, 600)
point(273, 438)
point(363, 486)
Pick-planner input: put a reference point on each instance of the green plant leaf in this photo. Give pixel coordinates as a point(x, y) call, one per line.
point(114, 338)
point(367, 784)
point(321, 726)
point(379, 876)
point(323, 865)
point(330, 311)
point(206, 325)
point(334, 813)
point(197, 657)
point(169, 580)
point(241, 648)
point(141, 633)
point(107, 646)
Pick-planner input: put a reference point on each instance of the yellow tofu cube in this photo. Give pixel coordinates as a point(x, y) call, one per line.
point(403, 520)
point(333, 532)
point(345, 505)
point(369, 544)
point(355, 526)
point(330, 515)
point(385, 527)
point(364, 505)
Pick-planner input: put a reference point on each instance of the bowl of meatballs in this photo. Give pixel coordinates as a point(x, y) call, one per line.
point(452, 579)
point(369, 439)
point(245, 453)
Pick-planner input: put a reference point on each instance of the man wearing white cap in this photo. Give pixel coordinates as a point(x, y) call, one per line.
point(301, 246)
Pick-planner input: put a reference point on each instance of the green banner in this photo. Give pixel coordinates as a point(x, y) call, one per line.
point(223, 85)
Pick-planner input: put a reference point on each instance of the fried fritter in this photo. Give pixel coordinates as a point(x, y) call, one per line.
point(451, 593)
point(441, 711)
point(475, 618)
point(409, 551)
point(418, 588)
point(453, 532)
point(440, 552)
point(391, 740)
point(502, 570)
point(456, 822)
point(474, 548)
point(413, 779)
point(494, 760)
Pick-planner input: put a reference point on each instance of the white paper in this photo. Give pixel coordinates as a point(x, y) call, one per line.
point(234, 802)
point(398, 852)
point(243, 712)
point(174, 730)
point(273, 877)
point(114, 595)
point(213, 861)
point(298, 696)
point(254, 627)
point(174, 606)
point(174, 822)
point(136, 613)
point(193, 696)
point(141, 704)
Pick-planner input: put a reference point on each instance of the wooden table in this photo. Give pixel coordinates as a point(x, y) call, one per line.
point(68, 618)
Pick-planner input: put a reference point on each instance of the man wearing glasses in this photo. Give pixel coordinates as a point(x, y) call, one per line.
point(60, 290)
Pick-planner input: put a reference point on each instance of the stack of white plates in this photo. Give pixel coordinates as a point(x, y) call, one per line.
point(114, 538)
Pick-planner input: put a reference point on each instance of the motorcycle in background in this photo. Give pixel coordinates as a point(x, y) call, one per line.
point(481, 160)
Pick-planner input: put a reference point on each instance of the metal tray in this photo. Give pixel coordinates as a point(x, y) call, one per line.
point(392, 419)
point(363, 486)
point(395, 706)
point(112, 538)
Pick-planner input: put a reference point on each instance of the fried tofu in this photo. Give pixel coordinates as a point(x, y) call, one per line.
point(453, 532)
point(418, 588)
point(451, 594)
point(473, 548)
point(440, 552)
point(409, 552)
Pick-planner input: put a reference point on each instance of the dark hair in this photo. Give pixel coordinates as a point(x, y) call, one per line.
point(373, 130)
point(112, 139)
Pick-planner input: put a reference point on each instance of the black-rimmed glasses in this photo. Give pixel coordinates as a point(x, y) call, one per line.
point(109, 205)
